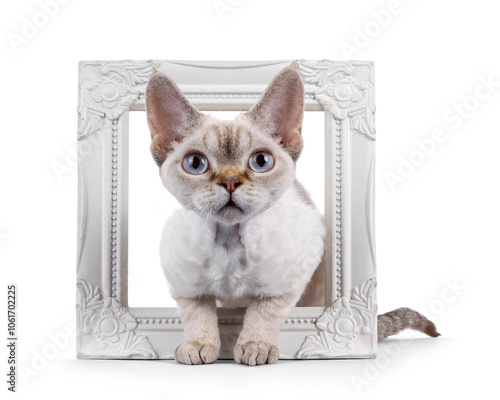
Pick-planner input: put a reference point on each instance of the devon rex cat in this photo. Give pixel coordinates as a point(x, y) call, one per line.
point(249, 234)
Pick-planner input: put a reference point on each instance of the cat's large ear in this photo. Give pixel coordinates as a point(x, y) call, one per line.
point(171, 117)
point(280, 110)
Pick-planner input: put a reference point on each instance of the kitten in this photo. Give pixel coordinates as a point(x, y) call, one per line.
point(249, 234)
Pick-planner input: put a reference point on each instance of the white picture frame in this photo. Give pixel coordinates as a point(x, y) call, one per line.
point(108, 90)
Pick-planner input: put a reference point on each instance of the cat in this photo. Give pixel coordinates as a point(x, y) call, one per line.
point(248, 235)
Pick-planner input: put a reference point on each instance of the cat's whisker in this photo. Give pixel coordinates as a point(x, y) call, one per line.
point(206, 220)
point(202, 209)
point(195, 210)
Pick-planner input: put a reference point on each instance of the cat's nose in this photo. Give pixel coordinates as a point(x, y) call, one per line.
point(230, 184)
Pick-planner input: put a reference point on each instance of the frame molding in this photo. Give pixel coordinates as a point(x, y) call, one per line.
point(108, 90)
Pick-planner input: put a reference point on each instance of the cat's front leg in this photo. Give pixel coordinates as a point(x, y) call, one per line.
point(257, 342)
point(201, 343)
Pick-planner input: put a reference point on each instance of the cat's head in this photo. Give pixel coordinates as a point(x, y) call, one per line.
point(227, 170)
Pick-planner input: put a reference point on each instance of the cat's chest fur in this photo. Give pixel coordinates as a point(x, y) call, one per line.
point(275, 252)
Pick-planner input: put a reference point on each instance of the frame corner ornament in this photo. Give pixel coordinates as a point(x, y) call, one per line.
point(341, 94)
point(343, 323)
point(107, 90)
point(110, 324)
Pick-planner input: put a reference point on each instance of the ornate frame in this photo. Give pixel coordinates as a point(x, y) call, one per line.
point(108, 90)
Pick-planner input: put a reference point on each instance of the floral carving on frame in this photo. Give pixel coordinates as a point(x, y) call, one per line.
point(110, 323)
point(341, 94)
point(340, 324)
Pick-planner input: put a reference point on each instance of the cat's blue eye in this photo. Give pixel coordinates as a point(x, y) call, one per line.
point(261, 162)
point(195, 164)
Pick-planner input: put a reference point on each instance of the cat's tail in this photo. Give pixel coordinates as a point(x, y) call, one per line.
point(395, 321)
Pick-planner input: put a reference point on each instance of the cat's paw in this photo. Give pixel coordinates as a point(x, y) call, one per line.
point(256, 353)
point(196, 353)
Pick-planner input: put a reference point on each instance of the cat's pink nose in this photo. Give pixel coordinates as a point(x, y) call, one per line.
point(230, 184)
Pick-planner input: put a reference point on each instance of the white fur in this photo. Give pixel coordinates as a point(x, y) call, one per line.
point(271, 254)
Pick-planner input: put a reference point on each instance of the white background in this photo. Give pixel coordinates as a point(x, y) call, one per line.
point(436, 229)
